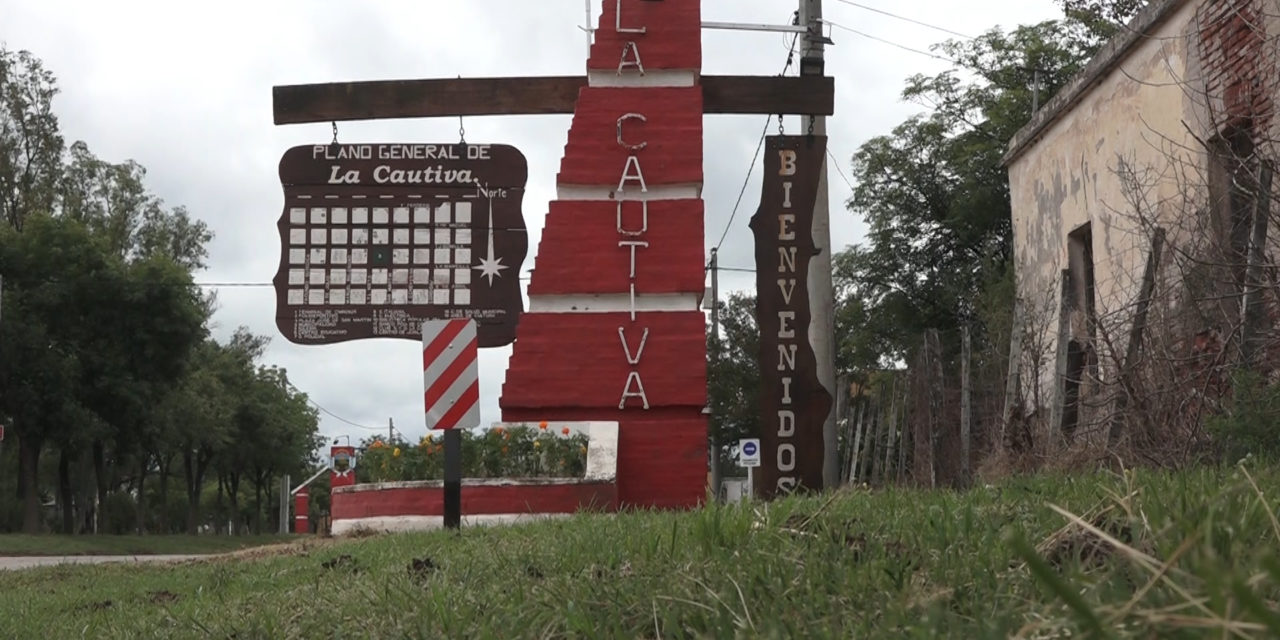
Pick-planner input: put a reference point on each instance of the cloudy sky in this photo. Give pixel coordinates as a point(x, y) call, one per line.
point(185, 89)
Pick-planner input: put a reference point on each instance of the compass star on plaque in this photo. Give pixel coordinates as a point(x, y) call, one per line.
point(490, 267)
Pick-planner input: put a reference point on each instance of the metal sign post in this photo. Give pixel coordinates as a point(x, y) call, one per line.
point(452, 398)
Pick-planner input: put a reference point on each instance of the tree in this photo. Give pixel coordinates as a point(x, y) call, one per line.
point(30, 144)
point(113, 202)
point(1103, 17)
point(935, 193)
point(733, 377)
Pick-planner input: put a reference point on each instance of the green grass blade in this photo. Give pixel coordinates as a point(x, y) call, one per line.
point(1049, 578)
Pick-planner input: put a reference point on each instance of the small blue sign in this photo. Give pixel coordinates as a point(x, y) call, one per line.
point(750, 449)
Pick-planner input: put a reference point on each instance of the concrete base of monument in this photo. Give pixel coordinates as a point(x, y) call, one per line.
point(416, 506)
point(401, 524)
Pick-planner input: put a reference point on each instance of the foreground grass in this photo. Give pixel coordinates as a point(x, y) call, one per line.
point(1151, 555)
point(57, 545)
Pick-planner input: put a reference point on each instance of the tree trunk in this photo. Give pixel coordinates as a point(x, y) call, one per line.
point(166, 464)
point(141, 525)
point(257, 504)
point(194, 476)
point(234, 491)
point(29, 482)
point(100, 481)
point(65, 501)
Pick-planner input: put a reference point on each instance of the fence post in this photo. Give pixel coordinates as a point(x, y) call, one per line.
point(857, 442)
point(1134, 348)
point(908, 438)
point(933, 367)
point(966, 408)
point(1058, 408)
point(1013, 383)
point(893, 427)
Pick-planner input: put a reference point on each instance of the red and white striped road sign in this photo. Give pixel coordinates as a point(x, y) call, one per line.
point(451, 374)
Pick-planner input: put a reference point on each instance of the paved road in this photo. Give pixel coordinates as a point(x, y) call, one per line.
point(27, 562)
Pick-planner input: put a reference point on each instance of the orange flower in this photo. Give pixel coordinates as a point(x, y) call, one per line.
point(543, 425)
point(498, 429)
point(565, 431)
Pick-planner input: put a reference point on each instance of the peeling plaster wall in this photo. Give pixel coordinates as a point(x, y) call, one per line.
point(1132, 118)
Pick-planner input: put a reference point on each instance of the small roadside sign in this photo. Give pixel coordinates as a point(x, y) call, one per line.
point(749, 452)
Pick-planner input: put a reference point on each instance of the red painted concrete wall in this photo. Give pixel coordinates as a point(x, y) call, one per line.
point(670, 263)
point(673, 37)
point(572, 365)
point(476, 500)
point(671, 133)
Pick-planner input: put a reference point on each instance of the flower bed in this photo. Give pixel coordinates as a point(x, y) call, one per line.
point(396, 505)
point(518, 451)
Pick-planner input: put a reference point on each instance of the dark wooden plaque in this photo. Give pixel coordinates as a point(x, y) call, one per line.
point(377, 238)
point(793, 402)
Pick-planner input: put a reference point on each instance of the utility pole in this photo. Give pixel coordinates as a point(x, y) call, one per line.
point(715, 360)
point(822, 299)
point(391, 430)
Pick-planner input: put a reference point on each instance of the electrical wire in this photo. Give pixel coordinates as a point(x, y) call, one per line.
point(756, 157)
point(892, 43)
point(836, 163)
point(340, 418)
point(905, 19)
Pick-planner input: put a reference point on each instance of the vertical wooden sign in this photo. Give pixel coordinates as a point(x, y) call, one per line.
point(793, 403)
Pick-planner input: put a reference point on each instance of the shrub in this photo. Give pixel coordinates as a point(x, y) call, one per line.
point(515, 452)
point(1248, 427)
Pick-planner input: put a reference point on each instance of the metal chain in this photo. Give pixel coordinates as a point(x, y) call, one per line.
point(462, 131)
point(781, 131)
point(812, 119)
point(335, 131)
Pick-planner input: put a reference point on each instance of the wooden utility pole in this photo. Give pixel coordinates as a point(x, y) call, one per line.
point(822, 299)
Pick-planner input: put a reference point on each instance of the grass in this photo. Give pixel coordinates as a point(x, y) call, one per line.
point(57, 545)
point(1144, 554)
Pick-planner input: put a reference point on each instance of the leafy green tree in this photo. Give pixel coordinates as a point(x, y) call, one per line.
point(1103, 17)
point(935, 194)
point(733, 376)
point(30, 142)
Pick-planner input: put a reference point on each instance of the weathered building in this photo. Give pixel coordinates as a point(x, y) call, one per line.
point(1138, 213)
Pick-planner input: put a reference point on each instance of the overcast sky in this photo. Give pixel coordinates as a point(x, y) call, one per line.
point(185, 89)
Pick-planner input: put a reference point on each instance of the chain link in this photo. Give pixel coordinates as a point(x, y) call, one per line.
point(812, 119)
point(335, 131)
point(462, 131)
point(781, 130)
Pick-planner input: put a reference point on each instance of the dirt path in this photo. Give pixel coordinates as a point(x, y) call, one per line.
point(28, 562)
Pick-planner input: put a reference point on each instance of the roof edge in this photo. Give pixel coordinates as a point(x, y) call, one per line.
point(1106, 60)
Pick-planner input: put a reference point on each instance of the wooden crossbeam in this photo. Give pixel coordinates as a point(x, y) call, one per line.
point(378, 100)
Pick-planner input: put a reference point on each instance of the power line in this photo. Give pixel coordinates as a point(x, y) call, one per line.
point(340, 418)
point(839, 170)
point(893, 44)
point(756, 157)
point(905, 19)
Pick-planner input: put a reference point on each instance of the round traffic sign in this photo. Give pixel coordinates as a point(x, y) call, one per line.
point(750, 449)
